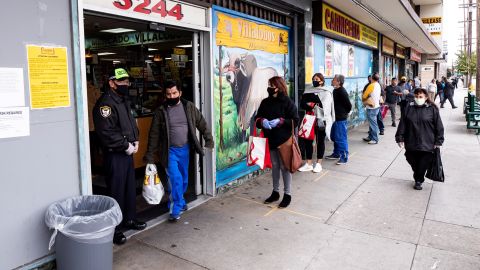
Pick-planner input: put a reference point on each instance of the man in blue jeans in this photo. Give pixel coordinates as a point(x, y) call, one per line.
point(371, 99)
point(338, 134)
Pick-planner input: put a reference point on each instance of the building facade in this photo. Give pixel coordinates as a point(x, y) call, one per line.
point(221, 52)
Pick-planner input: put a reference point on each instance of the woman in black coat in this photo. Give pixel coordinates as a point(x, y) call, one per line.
point(420, 131)
point(275, 116)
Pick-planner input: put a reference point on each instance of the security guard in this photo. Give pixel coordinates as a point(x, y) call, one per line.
point(118, 134)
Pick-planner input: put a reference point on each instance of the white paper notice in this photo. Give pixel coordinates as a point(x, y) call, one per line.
point(12, 93)
point(14, 122)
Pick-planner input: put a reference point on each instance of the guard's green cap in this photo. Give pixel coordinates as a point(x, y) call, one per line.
point(119, 74)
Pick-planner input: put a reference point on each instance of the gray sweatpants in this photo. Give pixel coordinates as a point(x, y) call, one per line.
point(392, 107)
point(277, 166)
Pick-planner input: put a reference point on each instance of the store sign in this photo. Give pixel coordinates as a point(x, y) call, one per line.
point(433, 25)
point(163, 11)
point(241, 33)
point(388, 46)
point(129, 39)
point(415, 55)
point(400, 51)
point(335, 22)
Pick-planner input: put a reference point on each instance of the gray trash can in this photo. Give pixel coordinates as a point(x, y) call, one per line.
point(84, 228)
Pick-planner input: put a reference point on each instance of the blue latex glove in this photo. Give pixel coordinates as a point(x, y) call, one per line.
point(266, 124)
point(274, 122)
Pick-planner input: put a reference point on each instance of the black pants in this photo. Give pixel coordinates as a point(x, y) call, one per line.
point(380, 124)
point(307, 149)
point(420, 161)
point(450, 99)
point(120, 178)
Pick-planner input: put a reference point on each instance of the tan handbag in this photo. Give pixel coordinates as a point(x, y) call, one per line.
point(290, 153)
point(369, 102)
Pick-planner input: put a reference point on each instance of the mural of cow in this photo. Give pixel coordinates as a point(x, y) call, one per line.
point(249, 87)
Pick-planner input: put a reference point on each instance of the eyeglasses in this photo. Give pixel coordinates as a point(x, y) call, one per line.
point(127, 83)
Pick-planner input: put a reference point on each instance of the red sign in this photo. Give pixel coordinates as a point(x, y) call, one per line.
point(415, 55)
point(143, 7)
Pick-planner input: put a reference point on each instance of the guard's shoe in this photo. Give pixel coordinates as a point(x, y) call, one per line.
point(382, 133)
point(366, 139)
point(135, 225)
point(394, 125)
point(285, 201)
point(333, 156)
point(306, 168)
point(318, 168)
point(418, 186)
point(454, 107)
point(119, 238)
point(173, 218)
point(185, 208)
point(274, 197)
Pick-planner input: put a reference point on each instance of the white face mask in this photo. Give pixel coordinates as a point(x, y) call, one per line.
point(420, 101)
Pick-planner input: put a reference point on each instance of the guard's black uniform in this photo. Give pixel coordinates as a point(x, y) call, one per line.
point(116, 128)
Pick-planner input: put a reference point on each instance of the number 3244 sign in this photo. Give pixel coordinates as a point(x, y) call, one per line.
point(163, 11)
point(146, 7)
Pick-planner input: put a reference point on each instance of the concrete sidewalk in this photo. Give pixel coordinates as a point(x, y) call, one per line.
point(364, 215)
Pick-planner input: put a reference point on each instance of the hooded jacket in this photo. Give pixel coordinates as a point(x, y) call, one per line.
point(326, 97)
point(158, 138)
point(421, 128)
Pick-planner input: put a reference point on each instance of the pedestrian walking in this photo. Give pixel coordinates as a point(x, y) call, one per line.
point(420, 131)
point(371, 100)
point(339, 135)
point(381, 126)
point(417, 82)
point(392, 94)
point(317, 95)
point(275, 116)
point(432, 89)
point(406, 96)
point(117, 131)
point(173, 135)
point(440, 86)
point(448, 91)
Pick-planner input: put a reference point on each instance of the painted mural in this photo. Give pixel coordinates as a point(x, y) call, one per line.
point(355, 63)
point(247, 52)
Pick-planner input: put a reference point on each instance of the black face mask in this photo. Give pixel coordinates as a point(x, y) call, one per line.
point(316, 83)
point(172, 101)
point(271, 91)
point(122, 90)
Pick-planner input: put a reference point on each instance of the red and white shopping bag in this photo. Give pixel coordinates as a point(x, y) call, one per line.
point(307, 127)
point(258, 152)
point(384, 110)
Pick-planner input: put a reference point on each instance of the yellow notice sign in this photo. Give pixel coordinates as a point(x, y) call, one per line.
point(48, 77)
point(308, 69)
point(240, 33)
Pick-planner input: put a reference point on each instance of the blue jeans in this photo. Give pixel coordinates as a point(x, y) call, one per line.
point(340, 140)
point(372, 115)
point(381, 126)
point(177, 173)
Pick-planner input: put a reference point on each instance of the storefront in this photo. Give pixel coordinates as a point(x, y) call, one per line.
point(390, 63)
point(400, 54)
point(155, 43)
point(342, 45)
point(411, 65)
point(247, 51)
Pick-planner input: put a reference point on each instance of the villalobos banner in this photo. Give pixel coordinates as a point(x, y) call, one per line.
point(336, 24)
point(248, 51)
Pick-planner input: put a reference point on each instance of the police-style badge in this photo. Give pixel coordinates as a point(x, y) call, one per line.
point(105, 111)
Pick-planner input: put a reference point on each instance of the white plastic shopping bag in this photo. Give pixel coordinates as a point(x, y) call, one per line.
point(258, 152)
point(152, 186)
point(307, 130)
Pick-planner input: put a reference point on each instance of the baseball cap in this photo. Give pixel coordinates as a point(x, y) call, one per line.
point(403, 78)
point(118, 74)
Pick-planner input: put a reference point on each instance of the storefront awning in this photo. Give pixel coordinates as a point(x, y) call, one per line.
point(395, 19)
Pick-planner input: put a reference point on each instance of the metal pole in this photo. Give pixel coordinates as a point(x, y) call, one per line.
point(477, 87)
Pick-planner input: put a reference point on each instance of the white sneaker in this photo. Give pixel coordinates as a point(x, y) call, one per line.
point(306, 168)
point(318, 168)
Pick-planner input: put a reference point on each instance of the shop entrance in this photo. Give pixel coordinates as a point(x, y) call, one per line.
point(152, 54)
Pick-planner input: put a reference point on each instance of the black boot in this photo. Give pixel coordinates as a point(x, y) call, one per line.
point(418, 186)
point(274, 197)
point(285, 201)
point(119, 238)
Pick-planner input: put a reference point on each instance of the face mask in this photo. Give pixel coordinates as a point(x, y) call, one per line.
point(122, 89)
point(316, 83)
point(271, 91)
point(172, 101)
point(420, 101)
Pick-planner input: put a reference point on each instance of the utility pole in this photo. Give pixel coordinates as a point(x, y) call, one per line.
point(477, 85)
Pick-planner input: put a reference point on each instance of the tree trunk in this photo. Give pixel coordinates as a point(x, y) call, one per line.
point(220, 56)
point(477, 92)
point(469, 42)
